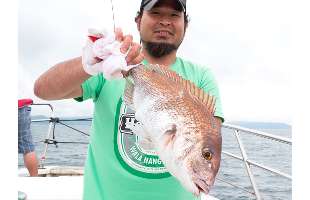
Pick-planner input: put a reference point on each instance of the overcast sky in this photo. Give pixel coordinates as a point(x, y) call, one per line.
point(244, 42)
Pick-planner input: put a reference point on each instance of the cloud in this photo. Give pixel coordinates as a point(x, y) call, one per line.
point(244, 43)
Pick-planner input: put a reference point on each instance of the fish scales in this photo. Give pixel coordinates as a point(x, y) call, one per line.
point(178, 118)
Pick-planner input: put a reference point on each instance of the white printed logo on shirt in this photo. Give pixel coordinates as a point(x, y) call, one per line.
point(137, 154)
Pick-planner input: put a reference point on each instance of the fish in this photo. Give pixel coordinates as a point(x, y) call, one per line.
point(178, 120)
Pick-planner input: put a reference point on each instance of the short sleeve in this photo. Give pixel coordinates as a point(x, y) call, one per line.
point(91, 88)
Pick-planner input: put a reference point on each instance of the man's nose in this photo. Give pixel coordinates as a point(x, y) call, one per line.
point(165, 22)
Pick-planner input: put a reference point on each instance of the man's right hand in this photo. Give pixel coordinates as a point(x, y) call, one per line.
point(110, 54)
point(134, 55)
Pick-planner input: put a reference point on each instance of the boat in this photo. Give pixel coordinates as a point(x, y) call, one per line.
point(66, 182)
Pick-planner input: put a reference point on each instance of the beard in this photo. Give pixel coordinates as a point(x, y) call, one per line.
point(159, 49)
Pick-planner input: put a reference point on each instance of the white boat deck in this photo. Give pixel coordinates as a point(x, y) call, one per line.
point(51, 188)
point(57, 183)
point(67, 185)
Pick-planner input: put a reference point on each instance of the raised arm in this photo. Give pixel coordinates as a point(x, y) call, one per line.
point(62, 81)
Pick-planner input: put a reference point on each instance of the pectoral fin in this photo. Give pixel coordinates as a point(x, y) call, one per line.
point(170, 135)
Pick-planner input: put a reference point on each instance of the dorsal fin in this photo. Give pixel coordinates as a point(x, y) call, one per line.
point(202, 96)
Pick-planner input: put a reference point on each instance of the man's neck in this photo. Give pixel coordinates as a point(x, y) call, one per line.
point(166, 60)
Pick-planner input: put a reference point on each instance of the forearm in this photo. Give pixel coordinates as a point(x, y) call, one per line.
point(61, 81)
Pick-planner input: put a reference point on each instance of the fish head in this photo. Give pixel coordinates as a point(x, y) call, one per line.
point(203, 163)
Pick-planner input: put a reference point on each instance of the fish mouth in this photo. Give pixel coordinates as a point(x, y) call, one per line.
point(202, 186)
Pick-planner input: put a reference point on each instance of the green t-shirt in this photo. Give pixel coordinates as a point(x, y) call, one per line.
point(117, 168)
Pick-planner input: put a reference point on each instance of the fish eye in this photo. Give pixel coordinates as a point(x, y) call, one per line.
point(206, 154)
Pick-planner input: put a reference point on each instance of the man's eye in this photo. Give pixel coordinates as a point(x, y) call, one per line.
point(175, 15)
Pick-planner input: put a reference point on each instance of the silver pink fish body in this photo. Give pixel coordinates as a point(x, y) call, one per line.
point(178, 121)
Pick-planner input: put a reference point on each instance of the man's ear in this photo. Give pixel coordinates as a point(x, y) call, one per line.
point(138, 21)
point(185, 27)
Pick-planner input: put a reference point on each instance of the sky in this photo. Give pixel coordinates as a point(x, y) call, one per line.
point(245, 43)
point(258, 50)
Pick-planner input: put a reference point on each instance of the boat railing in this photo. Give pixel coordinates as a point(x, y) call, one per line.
point(51, 128)
point(237, 130)
point(50, 136)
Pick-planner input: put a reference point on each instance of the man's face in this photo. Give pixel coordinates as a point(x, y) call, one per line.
point(163, 24)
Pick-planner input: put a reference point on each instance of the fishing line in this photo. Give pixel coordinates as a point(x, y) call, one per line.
point(113, 15)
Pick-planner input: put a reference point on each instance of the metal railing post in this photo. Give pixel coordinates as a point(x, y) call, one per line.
point(237, 130)
point(43, 156)
point(247, 166)
point(50, 130)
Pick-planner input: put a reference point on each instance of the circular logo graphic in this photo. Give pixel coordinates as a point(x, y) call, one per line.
point(138, 155)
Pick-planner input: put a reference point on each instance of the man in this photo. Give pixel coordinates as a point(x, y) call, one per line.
point(117, 167)
point(25, 143)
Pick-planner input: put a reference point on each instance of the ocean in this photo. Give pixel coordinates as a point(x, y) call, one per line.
point(269, 153)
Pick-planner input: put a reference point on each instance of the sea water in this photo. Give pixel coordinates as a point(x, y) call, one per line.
point(266, 152)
